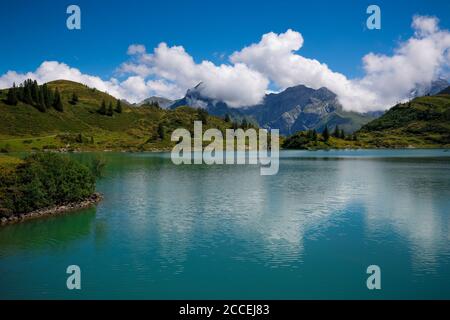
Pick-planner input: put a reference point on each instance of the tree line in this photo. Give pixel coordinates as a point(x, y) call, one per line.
point(109, 111)
point(338, 134)
point(41, 97)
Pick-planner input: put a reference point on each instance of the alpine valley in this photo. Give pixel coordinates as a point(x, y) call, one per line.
point(79, 123)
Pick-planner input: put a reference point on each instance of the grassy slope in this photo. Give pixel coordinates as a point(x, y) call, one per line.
point(424, 122)
point(24, 128)
point(347, 121)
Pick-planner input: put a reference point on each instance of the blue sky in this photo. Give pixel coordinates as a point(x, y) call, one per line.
point(334, 32)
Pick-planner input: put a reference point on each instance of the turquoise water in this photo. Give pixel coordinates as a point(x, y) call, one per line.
point(205, 232)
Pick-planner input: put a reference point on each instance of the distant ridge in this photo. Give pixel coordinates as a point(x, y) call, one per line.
point(445, 91)
point(294, 109)
point(161, 101)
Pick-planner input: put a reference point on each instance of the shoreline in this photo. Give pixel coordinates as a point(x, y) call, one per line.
point(92, 200)
point(443, 147)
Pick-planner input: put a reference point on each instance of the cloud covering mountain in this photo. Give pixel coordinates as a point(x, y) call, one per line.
point(273, 62)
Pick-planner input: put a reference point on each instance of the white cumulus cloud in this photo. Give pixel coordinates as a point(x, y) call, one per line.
point(237, 84)
point(387, 80)
point(134, 88)
point(273, 62)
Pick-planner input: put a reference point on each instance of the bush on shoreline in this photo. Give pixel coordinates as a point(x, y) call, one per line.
point(43, 180)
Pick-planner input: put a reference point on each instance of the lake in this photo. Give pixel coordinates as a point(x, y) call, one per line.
point(226, 232)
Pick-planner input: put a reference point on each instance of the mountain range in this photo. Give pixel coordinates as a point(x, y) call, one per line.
point(421, 122)
point(294, 109)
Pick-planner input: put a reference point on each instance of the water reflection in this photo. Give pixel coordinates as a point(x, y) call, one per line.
point(411, 198)
point(165, 228)
point(53, 233)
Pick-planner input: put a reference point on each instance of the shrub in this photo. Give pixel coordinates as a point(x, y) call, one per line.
point(43, 180)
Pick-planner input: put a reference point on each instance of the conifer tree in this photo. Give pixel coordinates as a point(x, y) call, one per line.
point(27, 94)
point(161, 131)
point(110, 110)
point(40, 103)
point(102, 109)
point(35, 92)
point(46, 95)
point(20, 92)
point(51, 97)
point(57, 103)
point(227, 118)
point(326, 134)
point(74, 99)
point(118, 106)
point(12, 96)
point(336, 132)
point(314, 135)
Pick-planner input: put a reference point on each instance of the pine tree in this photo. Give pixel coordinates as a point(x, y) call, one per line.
point(46, 95)
point(50, 97)
point(227, 118)
point(342, 134)
point(20, 92)
point(12, 96)
point(57, 103)
point(326, 134)
point(110, 110)
point(102, 109)
point(161, 131)
point(118, 106)
point(314, 135)
point(35, 92)
point(336, 132)
point(40, 103)
point(27, 93)
point(74, 99)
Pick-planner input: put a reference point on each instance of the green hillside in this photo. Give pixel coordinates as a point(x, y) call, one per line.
point(422, 122)
point(80, 126)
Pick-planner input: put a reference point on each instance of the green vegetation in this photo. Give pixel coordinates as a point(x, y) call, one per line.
point(326, 134)
point(42, 180)
point(311, 140)
point(68, 116)
point(118, 106)
point(423, 122)
point(86, 126)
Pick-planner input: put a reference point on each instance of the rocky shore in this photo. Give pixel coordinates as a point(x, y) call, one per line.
point(52, 211)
